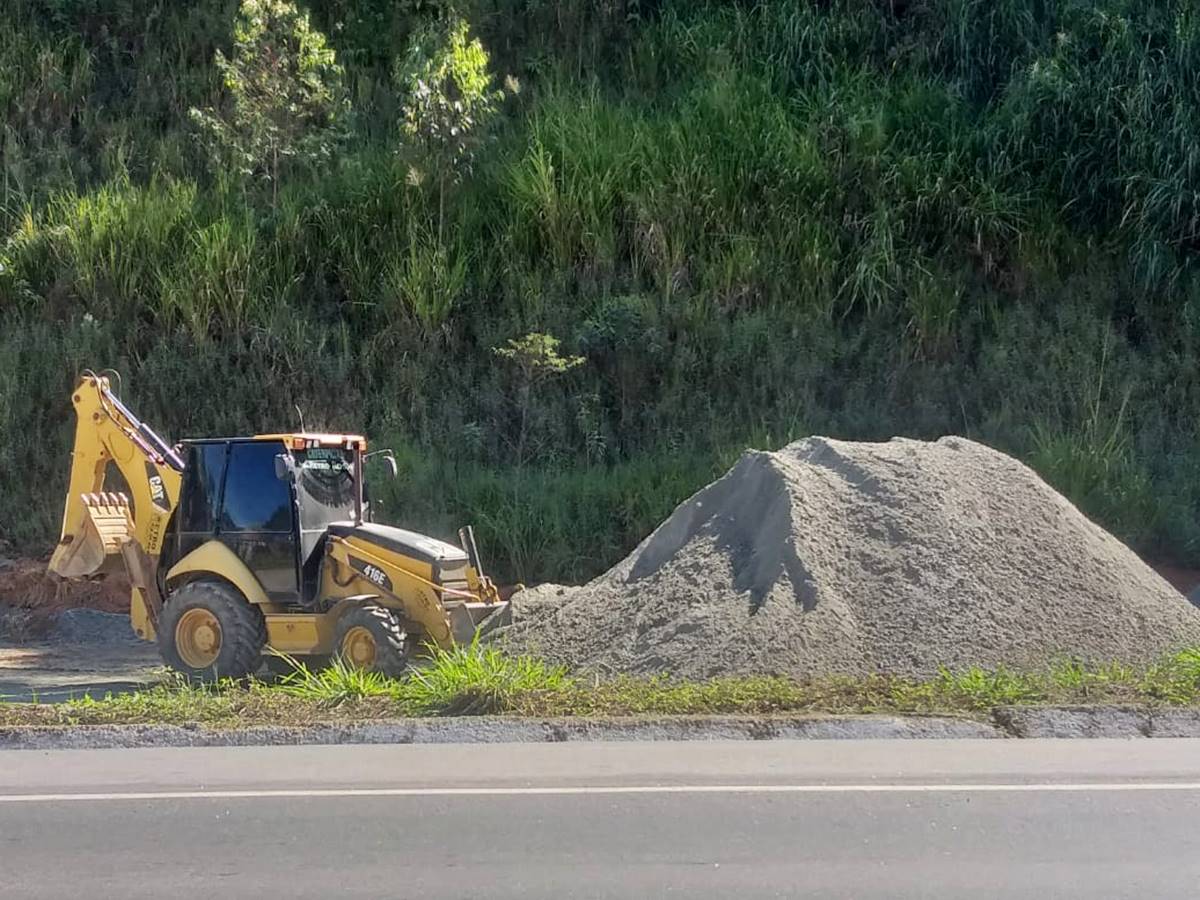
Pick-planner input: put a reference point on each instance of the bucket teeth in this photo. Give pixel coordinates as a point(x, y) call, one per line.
point(107, 503)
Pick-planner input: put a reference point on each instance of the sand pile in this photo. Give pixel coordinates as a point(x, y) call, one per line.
point(829, 556)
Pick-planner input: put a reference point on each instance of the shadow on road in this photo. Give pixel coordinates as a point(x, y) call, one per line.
point(52, 673)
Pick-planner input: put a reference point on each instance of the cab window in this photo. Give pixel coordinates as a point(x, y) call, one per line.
point(202, 487)
point(255, 500)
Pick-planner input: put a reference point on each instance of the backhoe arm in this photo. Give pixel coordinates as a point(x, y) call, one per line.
point(97, 525)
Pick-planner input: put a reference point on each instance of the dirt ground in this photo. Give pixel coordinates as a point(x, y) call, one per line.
point(33, 667)
point(51, 673)
point(30, 599)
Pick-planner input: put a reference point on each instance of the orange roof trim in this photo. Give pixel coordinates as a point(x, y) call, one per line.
point(298, 441)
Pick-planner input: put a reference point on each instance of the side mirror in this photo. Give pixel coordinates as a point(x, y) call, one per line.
point(285, 469)
point(388, 457)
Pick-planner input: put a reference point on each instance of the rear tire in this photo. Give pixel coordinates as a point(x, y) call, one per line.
point(208, 630)
point(371, 637)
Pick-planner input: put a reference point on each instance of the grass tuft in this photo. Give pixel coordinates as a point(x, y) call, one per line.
point(334, 684)
point(475, 680)
point(1176, 680)
point(467, 680)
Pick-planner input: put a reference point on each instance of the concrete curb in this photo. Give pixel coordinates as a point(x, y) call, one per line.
point(1097, 721)
point(494, 729)
point(1007, 722)
point(1075, 722)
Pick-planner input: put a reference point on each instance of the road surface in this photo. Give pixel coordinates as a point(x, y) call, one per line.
point(697, 820)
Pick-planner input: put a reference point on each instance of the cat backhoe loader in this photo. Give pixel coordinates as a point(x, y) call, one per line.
point(238, 546)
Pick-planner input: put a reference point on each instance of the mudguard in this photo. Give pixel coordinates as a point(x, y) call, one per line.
point(215, 558)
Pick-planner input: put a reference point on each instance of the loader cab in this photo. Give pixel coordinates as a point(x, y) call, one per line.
point(270, 499)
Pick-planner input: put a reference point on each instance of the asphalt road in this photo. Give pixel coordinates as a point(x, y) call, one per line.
point(696, 820)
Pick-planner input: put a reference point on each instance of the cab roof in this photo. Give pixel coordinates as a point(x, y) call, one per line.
point(296, 440)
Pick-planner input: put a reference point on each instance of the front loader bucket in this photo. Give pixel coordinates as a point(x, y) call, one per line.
point(107, 524)
point(470, 619)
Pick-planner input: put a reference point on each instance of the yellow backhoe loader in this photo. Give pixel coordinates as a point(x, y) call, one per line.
point(234, 546)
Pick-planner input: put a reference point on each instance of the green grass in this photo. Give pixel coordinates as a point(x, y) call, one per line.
point(482, 681)
point(468, 680)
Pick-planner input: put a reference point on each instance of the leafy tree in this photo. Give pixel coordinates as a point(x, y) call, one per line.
point(536, 359)
point(450, 104)
point(286, 94)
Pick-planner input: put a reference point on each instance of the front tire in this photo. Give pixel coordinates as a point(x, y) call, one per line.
point(371, 637)
point(208, 630)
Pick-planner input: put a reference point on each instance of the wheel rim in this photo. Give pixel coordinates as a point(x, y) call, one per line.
point(198, 638)
point(358, 648)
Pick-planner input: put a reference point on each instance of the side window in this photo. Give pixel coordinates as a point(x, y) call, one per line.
point(255, 500)
point(202, 487)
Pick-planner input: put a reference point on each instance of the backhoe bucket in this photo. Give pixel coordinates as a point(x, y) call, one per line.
point(107, 524)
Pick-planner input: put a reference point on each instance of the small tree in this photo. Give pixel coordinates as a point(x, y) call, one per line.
point(535, 358)
point(286, 95)
point(450, 104)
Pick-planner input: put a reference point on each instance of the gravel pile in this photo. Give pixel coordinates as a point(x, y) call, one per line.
point(91, 626)
point(837, 557)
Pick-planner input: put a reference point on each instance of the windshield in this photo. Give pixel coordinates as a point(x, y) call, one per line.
point(325, 485)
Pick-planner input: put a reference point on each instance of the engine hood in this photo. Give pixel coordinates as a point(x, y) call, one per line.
point(408, 543)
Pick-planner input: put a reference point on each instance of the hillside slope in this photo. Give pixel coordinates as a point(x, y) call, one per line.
point(752, 221)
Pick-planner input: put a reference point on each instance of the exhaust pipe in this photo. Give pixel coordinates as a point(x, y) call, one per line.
point(466, 536)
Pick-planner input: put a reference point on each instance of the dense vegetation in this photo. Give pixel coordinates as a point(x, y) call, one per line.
point(751, 221)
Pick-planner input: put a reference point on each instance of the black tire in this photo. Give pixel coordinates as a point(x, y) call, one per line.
point(278, 667)
point(241, 632)
point(392, 644)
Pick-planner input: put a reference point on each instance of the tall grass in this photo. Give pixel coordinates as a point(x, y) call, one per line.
point(468, 680)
